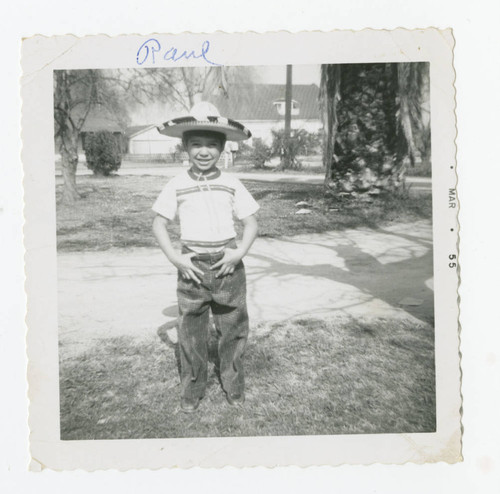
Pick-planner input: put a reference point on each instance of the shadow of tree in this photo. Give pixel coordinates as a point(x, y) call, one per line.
point(389, 282)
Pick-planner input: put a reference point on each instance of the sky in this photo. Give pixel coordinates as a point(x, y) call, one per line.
point(301, 74)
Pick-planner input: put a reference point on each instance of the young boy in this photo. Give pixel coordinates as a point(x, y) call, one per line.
point(211, 275)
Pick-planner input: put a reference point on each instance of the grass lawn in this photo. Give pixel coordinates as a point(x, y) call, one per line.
point(116, 211)
point(304, 377)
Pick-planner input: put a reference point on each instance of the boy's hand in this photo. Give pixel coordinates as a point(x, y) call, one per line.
point(186, 267)
point(227, 264)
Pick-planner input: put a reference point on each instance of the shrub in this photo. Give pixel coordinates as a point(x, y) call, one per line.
point(245, 150)
point(258, 153)
point(301, 143)
point(102, 152)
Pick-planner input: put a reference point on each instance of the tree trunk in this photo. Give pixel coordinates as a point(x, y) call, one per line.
point(370, 114)
point(405, 95)
point(67, 134)
point(329, 97)
point(69, 164)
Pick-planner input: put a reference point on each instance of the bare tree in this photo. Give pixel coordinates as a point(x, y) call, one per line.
point(181, 87)
point(76, 94)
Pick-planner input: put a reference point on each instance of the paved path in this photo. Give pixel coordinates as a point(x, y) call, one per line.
point(359, 273)
point(418, 184)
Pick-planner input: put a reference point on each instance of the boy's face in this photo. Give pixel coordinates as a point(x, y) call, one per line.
point(204, 152)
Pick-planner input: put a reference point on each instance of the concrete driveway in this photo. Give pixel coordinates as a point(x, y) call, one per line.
point(362, 273)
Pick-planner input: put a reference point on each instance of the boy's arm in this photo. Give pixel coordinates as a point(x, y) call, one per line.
point(233, 256)
point(181, 261)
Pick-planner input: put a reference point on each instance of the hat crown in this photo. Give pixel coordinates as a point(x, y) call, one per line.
point(202, 110)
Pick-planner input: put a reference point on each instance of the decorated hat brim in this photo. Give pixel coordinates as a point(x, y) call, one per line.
point(234, 131)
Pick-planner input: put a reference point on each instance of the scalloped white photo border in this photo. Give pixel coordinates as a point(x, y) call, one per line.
point(40, 56)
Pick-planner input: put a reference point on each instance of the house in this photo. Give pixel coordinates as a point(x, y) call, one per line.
point(146, 140)
point(260, 107)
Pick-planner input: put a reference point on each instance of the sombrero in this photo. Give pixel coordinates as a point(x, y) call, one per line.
point(205, 116)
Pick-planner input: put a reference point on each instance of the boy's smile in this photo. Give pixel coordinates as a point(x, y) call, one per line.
point(203, 152)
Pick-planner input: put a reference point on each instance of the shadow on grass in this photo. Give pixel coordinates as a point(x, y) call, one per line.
point(305, 376)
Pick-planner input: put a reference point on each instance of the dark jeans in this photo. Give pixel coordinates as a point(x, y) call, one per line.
point(226, 298)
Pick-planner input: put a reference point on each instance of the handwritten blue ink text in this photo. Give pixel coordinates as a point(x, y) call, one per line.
point(151, 50)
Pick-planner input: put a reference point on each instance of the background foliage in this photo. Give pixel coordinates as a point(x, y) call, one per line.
point(103, 152)
point(302, 143)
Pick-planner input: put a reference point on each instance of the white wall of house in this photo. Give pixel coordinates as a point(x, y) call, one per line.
point(152, 142)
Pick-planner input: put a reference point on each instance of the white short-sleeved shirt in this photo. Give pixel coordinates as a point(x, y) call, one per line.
point(205, 206)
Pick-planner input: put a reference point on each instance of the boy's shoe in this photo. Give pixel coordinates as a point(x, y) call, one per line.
point(235, 399)
point(189, 405)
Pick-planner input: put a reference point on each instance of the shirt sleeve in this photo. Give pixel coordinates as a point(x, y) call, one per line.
point(244, 204)
point(166, 203)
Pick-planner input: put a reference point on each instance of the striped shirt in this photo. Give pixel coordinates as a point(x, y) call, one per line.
point(206, 206)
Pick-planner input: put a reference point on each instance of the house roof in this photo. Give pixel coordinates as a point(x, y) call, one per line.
point(100, 119)
point(249, 102)
point(135, 130)
point(255, 101)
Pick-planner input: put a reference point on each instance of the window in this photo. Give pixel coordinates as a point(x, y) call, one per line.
point(280, 107)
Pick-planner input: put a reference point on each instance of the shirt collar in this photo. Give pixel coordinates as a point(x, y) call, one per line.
point(208, 176)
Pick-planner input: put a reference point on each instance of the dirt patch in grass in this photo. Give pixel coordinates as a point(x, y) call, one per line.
point(305, 376)
point(116, 212)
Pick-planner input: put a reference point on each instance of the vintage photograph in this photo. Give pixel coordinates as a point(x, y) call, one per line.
point(244, 251)
point(240, 256)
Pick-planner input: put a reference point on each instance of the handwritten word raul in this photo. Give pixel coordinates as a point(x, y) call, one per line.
point(152, 51)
